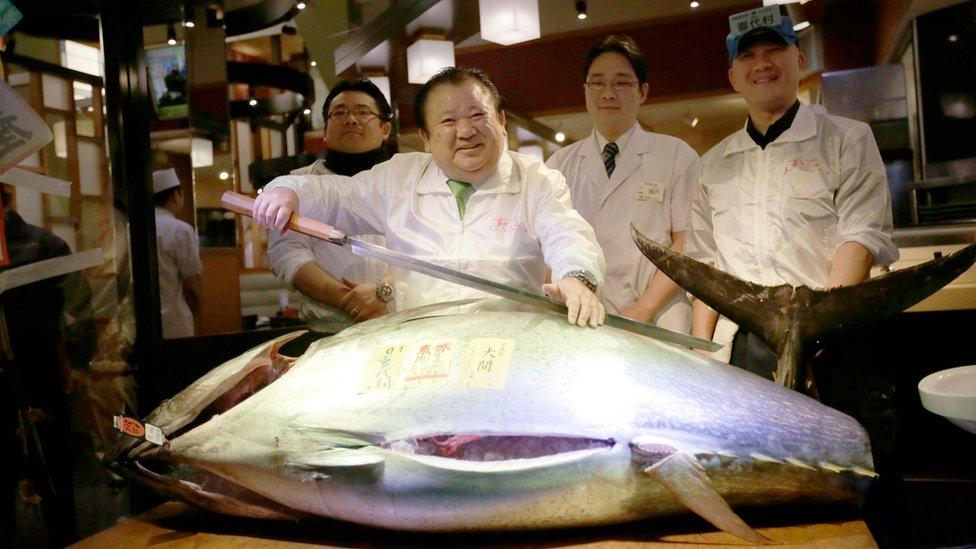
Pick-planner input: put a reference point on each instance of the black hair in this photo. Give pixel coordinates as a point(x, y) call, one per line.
point(625, 46)
point(361, 85)
point(162, 197)
point(453, 75)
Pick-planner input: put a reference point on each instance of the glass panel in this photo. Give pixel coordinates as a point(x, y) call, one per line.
point(60, 206)
point(94, 223)
point(90, 175)
point(30, 206)
point(57, 92)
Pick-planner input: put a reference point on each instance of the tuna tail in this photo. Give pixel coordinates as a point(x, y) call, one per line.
point(790, 318)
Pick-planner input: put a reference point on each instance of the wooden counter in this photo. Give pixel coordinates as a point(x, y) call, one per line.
point(176, 525)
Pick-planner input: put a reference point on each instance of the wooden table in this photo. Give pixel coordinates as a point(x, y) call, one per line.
point(177, 525)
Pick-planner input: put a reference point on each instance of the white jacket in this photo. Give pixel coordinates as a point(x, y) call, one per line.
point(288, 252)
point(178, 258)
point(651, 187)
point(778, 215)
point(516, 223)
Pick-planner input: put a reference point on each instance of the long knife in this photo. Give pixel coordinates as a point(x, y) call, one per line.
point(243, 205)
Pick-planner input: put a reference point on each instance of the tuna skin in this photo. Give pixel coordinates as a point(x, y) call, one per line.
point(314, 443)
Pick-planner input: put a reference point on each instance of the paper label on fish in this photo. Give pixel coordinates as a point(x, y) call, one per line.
point(429, 364)
point(382, 371)
point(486, 363)
point(154, 434)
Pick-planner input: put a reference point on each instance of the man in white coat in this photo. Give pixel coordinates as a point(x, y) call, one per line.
point(340, 288)
point(468, 204)
point(622, 174)
point(178, 256)
point(794, 197)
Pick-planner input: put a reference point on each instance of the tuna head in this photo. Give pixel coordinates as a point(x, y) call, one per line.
point(494, 420)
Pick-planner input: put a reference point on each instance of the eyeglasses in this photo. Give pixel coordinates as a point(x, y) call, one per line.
point(360, 113)
point(614, 86)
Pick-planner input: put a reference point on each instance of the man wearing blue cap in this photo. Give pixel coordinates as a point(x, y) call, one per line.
point(796, 196)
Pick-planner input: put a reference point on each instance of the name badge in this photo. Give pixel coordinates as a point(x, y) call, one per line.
point(650, 191)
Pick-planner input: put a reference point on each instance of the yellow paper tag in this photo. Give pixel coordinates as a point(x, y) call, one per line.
point(650, 191)
point(429, 364)
point(382, 371)
point(486, 363)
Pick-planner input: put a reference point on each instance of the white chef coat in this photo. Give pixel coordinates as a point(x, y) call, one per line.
point(288, 252)
point(516, 222)
point(178, 257)
point(778, 215)
point(651, 187)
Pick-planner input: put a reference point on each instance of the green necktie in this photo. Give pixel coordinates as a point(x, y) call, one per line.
point(461, 192)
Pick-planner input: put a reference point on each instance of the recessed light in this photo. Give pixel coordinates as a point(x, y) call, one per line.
point(694, 4)
point(224, 176)
point(560, 137)
point(800, 26)
point(253, 102)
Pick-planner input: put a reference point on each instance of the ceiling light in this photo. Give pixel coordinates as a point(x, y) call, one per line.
point(307, 112)
point(581, 9)
point(560, 137)
point(224, 176)
point(953, 37)
point(171, 35)
point(253, 102)
point(188, 24)
point(314, 63)
point(508, 22)
point(694, 122)
point(801, 25)
point(300, 5)
point(427, 57)
point(694, 4)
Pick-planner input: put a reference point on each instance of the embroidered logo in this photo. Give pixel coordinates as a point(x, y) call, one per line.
point(803, 165)
point(504, 224)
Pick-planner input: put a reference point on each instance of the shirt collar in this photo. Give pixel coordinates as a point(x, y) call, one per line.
point(434, 180)
point(803, 126)
point(621, 141)
point(775, 129)
point(164, 211)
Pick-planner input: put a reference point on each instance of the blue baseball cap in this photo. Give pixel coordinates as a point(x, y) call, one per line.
point(761, 25)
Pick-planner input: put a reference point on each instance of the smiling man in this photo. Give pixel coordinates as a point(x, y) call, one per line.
point(795, 197)
point(340, 288)
point(468, 204)
point(622, 174)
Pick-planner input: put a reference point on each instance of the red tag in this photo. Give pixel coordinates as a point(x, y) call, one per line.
point(131, 427)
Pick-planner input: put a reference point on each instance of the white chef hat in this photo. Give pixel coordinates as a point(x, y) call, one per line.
point(164, 179)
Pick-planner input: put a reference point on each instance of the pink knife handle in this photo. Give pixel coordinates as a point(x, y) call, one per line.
point(244, 204)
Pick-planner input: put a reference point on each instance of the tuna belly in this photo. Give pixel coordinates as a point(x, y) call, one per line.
point(467, 483)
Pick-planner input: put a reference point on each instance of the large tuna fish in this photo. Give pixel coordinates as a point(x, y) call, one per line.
point(494, 420)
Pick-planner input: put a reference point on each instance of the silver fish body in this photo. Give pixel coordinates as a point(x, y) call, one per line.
point(578, 427)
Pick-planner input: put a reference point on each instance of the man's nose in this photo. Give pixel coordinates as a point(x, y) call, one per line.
point(350, 120)
point(609, 92)
point(465, 128)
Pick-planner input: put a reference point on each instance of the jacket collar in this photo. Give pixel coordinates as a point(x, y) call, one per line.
point(434, 180)
point(804, 127)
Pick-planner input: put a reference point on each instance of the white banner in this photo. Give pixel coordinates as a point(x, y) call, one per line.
point(22, 131)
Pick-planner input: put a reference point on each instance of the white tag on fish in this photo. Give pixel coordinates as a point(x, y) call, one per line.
point(154, 434)
point(429, 364)
point(650, 191)
point(486, 363)
point(382, 370)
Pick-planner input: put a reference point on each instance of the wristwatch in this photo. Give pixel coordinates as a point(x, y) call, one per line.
point(384, 292)
point(586, 277)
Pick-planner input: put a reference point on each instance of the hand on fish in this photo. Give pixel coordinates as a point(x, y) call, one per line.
point(273, 208)
point(360, 302)
point(582, 304)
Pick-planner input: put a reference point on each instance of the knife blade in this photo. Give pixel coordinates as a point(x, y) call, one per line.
point(242, 204)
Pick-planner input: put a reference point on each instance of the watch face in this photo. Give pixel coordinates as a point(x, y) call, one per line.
point(384, 292)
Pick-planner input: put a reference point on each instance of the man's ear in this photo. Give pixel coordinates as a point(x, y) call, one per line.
point(426, 138)
point(732, 80)
point(501, 117)
point(645, 88)
point(802, 60)
point(386, 128)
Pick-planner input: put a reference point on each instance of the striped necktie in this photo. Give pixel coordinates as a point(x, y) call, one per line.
point(609, 157)
point(461, 192)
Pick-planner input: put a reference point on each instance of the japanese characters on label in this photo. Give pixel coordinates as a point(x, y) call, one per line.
point(431, 364)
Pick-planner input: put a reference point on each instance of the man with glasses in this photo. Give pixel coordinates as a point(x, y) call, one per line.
point(339, 287)
point(622, 174)
point(468, 204)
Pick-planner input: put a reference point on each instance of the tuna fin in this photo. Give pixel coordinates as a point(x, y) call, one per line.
point(789, 318)
point(686, 479)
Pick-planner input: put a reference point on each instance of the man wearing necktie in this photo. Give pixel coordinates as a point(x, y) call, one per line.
point(622, 174)
point(468, 204)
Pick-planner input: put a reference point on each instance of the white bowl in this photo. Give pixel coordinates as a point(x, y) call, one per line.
point(952, 394)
